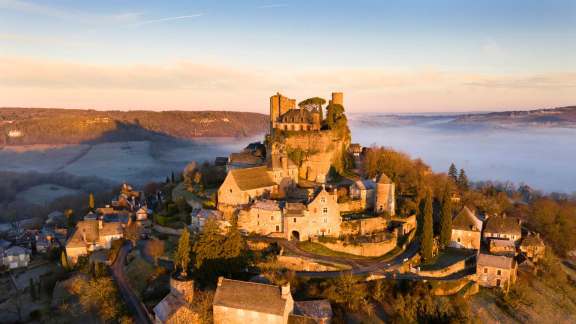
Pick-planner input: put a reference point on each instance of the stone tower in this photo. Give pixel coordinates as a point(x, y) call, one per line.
point(337, 98)
point(279, 105)
point(183, 289)
point(385, 200)
point(316, 119)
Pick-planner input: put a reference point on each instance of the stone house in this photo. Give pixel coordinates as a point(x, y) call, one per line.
point(92, 235)
point(319, 217)
point(243, 186)
point(15, 257)
point(496, 271)
point(249, 302)
point(262, 217)
point(363, 190)
point(533, 247)
point(466, 230)
point(177, 306)
point(243, 160)
point(198, 218)
point(502, 227)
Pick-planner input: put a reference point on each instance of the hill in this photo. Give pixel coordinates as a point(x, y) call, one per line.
point(553, 117)
point(26, 126)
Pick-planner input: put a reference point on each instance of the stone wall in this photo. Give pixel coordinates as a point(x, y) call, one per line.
point(227, 315)
point(363, 226)
point(363, 249)
point(352, 206)
point(295, 263)
point(453, 268)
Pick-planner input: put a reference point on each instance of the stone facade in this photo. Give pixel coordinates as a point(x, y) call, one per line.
point(504, 228)
point(466, 230)
point(385, 196)
point(177, 307)
point(496, 271)
point(92, 235)
point(263, 217)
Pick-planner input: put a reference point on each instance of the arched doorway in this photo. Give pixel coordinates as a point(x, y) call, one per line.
point(295, 236)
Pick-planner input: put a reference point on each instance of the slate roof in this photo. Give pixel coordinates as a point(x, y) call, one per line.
point(244, 158)
point(502, 224)
point(365, 184)
point(251, 296)
point(267, 205)
point(92, 232)
point(495, 261)
point(16, 251)
point(316, 309)
point(532, 240)
point(252, 178)
point(295, 209)
point(296, 116)
point(168, 306)
point(467, 221)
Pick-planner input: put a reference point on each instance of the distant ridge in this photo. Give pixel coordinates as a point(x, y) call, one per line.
point(561, 116)
point(27, 126)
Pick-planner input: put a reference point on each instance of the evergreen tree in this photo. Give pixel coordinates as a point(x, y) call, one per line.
point(210, 243)
point(446, 219)
point(172, 177)
point(64, 261)
point(182, 255)
point(91, 201)
point(427, 238)
point(233, 250)
point(463, 180)
point(453, 173)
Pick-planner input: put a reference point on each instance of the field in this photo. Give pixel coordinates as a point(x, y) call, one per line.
point(46, 193)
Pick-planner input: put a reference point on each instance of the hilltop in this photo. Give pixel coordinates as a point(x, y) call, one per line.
point(26, 126)
point(552, 117)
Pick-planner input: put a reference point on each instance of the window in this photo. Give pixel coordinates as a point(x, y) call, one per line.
point(277, 228)
point(499, 272)
point(272, 217)
point(258, 216)
point(324, 210)
point(294, 220)
point(458, 240)
point(323, 200)
point(230, 190)
point(258, 223)
point(325, 220)
point(498, 282)
point(485, 270)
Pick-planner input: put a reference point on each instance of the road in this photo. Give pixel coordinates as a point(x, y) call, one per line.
point(140, 313)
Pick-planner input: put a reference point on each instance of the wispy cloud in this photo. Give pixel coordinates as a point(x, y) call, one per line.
point(153, 21)
point(270, 6)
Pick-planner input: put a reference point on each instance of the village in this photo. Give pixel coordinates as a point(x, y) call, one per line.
point(303, 203)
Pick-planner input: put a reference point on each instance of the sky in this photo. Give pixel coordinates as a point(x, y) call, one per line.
point(386, 56)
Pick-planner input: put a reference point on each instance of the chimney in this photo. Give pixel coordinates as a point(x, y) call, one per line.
point(100, 225)
point(285, 290)
point(220, 280)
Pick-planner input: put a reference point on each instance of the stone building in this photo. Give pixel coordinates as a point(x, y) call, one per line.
point(242, 186)
point(363, 190)
point(92, 235)
point(503, 228)
point(263, 217)
point(177, 306)
point(533, 247)
point(284, 115)
point(496, 271)
point(385, 198)
point(502, 247)
point(319, 217)
point(466, 230)
point(249, 302)
point(15, 257)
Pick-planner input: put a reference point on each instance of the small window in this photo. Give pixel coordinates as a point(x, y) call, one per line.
point(230, 190)
point(277, 228)
point(272, 217)
point(485, 270)
point(499, 272)
point(294, 220)
point(323, 200)
point(324, 210)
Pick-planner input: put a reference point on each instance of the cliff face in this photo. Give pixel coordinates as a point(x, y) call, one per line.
point(315, 152)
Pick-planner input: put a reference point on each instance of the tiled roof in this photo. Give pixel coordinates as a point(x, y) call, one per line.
point(295, 209)
point(467, 221)
point(502, 224)
point(251, 296)
point(252, 178)
point(495, 261)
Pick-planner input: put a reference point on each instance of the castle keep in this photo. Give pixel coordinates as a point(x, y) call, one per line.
point(291, 193)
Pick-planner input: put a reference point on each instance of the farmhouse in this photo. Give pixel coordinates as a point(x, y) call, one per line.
point(496, 271)
point(92, 235)
point(248, 302)
point(466, 230)
point(502, 227)
point(533, 247)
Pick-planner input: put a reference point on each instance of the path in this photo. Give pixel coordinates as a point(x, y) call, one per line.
point(141, 315)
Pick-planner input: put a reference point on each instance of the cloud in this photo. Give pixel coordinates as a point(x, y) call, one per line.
point(545, 81)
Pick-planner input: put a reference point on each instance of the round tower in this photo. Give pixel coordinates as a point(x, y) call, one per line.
point(384, 196)
point(182, 288)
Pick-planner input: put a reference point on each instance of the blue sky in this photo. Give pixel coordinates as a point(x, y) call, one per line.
point(387, 56)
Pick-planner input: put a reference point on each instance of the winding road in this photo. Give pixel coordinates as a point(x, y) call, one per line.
point(141, 315)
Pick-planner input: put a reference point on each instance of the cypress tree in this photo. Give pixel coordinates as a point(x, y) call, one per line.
point(463, 180)
point(64, 261)
point(172, 177)
point(446, 219)
point(453, 173)
point(182, 255)
point(427, 229)
point(91, 201)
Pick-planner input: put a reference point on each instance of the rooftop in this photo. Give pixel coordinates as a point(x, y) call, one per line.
point(267, 205)
point(252, 296)
point(252, 178)
point(503, 224)
point(467, 221)
point(495, 261)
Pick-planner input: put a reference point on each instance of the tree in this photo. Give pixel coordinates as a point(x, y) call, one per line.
point(172, 177)
point(155, 248)
point(426, 241)
point(346, 291)
point(100, 296)
point(462, 180)
point(210, 243)
point(233, 249)
point(453, 173)
point(64, 261)
point(446, 219)
point(182, 256)
point(91, 201)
